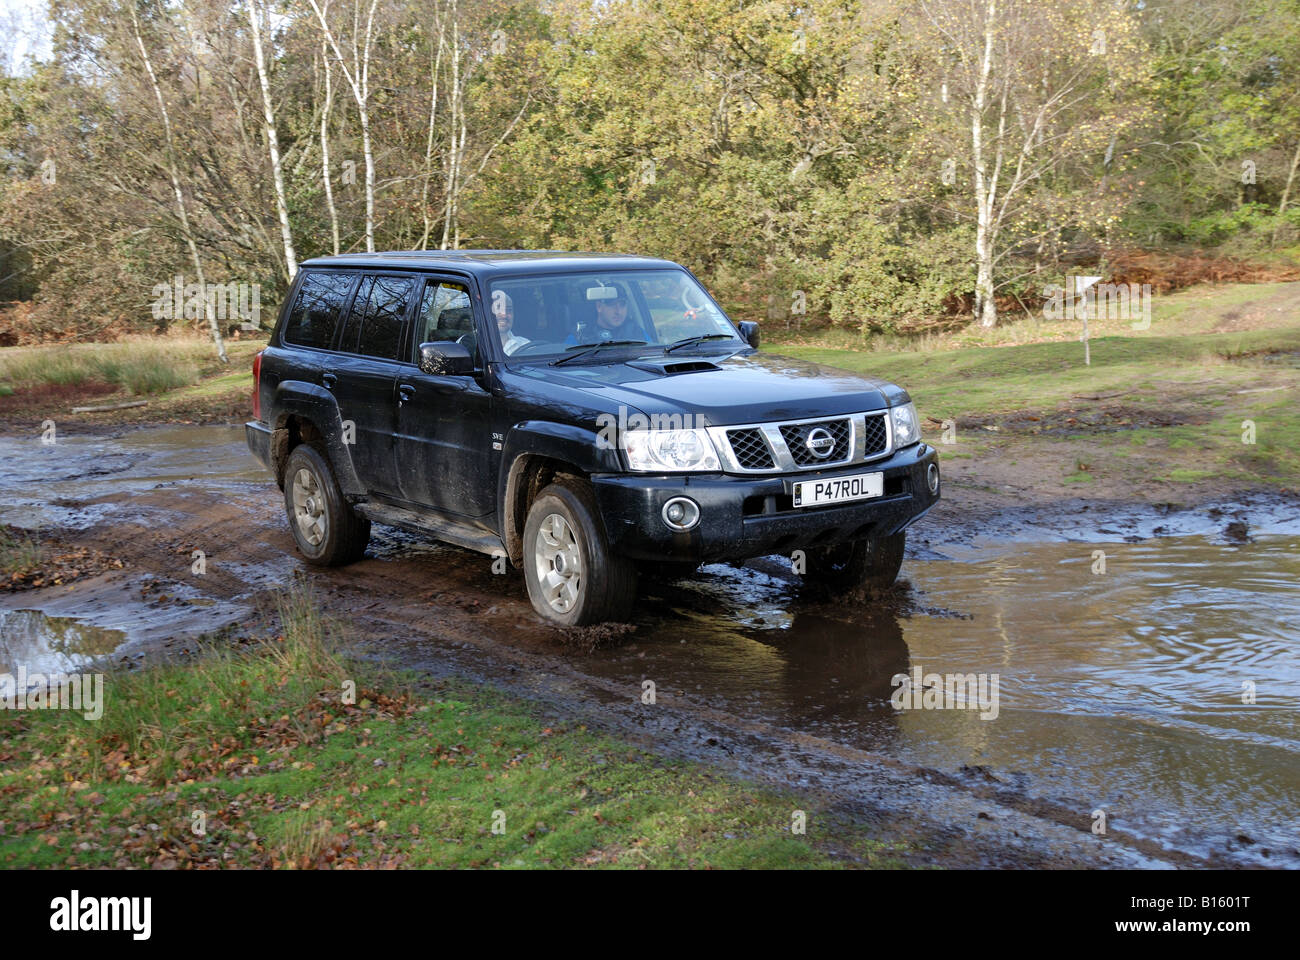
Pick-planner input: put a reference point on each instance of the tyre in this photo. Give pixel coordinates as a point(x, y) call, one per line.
point(872, 565)
point(573, 577)
point(328, 531)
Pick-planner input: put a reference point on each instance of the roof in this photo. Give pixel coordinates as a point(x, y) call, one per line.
point(491, 261)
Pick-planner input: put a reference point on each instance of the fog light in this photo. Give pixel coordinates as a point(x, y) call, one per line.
point(681, 513)
point(932, 477)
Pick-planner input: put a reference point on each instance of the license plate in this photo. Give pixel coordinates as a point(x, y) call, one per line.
point(815, 493)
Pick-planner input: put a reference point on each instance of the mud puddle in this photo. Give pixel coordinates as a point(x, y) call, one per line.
point(1164, 691)
point(48, 484)
point(40, 644)
point(1124, 688)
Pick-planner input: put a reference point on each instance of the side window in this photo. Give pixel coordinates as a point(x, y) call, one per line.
point(315, 313)
point(352, 326)
point(374, 325)
point(445, 312)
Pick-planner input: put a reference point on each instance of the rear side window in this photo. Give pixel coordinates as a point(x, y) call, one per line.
point(315, 313)
point(374, 327)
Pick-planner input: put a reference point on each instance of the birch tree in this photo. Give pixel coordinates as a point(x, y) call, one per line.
point(1039, 91)
point(357, 74)
point(255, 21)
point(182, 211)
point(326, 111)
point(470, 46)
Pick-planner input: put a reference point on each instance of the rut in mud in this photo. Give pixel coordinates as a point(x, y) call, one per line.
point(1126, 642)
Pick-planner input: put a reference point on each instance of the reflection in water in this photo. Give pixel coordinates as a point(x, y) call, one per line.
point(1129, 690)
point(46, 645)
point(731, 638)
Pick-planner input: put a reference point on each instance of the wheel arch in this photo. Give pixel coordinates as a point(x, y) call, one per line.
point(534, 454)
point(308, 413)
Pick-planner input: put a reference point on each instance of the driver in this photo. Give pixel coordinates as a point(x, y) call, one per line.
point(611, 323)
point(503, 311)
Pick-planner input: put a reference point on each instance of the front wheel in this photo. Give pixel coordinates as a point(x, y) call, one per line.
point(328, 531)
point(573, 577)
point(871, 565)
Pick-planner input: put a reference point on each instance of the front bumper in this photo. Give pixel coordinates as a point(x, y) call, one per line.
point(746, 516)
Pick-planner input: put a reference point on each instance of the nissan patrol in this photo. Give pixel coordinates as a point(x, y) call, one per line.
point(586, 416)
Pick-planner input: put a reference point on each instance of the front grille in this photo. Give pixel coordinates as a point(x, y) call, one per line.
point(768, 448)
point(875, 437)
point(796, 436)
point(750, 449)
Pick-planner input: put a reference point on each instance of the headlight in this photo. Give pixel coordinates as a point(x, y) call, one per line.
point(907, 427)
point(655, 450)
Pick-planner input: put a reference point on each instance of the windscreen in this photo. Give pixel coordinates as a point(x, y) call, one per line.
point(547, 316)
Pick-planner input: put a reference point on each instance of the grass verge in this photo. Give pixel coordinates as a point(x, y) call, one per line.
point(21, 553)
point(1164, 405)
point(282, 753)
point(182, 379)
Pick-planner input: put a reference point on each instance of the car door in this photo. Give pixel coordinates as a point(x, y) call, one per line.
point(444, 452)
point(372, 348)
point(310, 330)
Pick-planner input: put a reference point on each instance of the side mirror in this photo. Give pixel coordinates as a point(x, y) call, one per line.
point(446, 358)
point(749, 330)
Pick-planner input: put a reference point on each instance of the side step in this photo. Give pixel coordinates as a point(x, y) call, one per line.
point(439, 528)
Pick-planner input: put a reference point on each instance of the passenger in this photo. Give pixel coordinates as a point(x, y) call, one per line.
point(503, 310)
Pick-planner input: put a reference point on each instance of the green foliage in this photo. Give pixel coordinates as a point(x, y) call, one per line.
point(786, 154)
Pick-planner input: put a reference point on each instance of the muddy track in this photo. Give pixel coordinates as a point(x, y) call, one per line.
point(445, 613)
point(442, 611)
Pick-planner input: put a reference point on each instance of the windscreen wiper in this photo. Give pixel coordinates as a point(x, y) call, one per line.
point(687, 341)
point(589, 349)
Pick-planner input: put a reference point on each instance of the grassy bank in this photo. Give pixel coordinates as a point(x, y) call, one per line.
point(1172, 404)
point(180, 378)
point(21, 553)
point(255, 745)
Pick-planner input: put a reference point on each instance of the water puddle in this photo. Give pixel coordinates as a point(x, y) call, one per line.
point(39, 481)
point(40, 644)
point(1164, 690)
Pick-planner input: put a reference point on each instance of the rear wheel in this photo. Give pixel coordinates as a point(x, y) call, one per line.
point(328, 531)
point(868, 564)
point(573, 577)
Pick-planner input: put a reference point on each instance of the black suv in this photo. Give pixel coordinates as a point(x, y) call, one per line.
point(585, 415)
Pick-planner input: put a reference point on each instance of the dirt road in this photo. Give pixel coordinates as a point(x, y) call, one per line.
point(1119, 690)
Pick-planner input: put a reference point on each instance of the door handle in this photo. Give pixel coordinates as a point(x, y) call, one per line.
point(327, 380)
point(405, 392)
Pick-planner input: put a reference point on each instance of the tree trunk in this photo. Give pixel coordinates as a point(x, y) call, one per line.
point(1286, 192)
point(272, 142)
point(181, 211)
point(359, 80)
point(428, 146)
point(364, 117)
point(456, 146)
point(986, 311)
point(325, 150)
